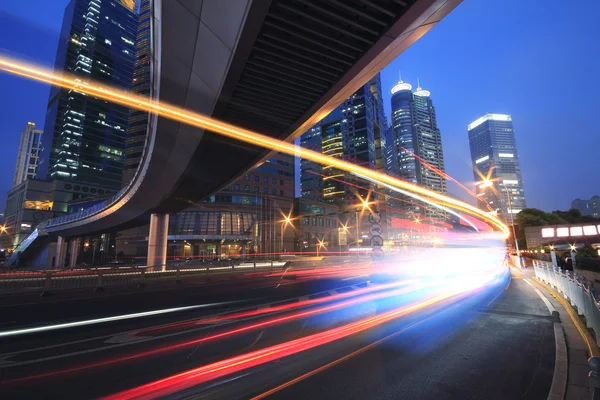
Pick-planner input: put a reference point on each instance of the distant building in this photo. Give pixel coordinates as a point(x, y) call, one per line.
point(29, 153)
point(84, 137)
point(138, 120)
point(316, 222)
point(243, 219)
point(415, 150)
point(496, 166)
point(589, 207)
point(29, 203)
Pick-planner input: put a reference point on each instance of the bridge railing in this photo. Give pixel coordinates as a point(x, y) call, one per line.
point(52, 280)
point(581, 294)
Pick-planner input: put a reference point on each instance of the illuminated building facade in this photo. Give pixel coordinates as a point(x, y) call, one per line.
point(138, 120)
point(415, 144)
point(243, 219)
point(354, 131)
point(29, 153)
point(84, 138)
point(496, 167)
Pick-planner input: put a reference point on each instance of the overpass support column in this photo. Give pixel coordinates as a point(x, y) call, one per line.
point(61, 253)
point(74, 252)
point(157, 241)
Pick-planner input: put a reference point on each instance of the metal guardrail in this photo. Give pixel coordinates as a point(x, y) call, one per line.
point(52, 280)
point(580, 294)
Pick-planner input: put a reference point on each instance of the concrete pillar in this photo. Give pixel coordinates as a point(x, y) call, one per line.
point(74, 251)
point(157, 241)
point(61, 252)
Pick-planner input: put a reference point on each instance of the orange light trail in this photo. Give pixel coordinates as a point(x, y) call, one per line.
point(231, 365)
point(445, 175)
point(179, 114)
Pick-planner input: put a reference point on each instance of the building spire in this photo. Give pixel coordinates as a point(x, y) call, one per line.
point(420, 91)
point(401, 85)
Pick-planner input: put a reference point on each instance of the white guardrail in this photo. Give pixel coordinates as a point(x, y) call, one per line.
point(581, 294)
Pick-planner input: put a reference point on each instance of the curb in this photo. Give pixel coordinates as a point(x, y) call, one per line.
point(558, 389)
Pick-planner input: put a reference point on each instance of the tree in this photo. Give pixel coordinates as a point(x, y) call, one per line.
point(534, 217)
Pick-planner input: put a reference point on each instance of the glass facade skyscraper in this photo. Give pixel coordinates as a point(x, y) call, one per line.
point(415, 144)
point(354, 131)
point(138, 120)
point(29, 153)
point(496, 167)
point(85, 137)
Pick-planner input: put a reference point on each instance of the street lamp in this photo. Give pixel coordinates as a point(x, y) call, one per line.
point(321, 244)
point(3, 229)
point(512, 219)
point(489, 183)
point(286, 221)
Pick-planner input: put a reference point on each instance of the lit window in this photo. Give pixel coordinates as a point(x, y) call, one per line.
point(576, 231)
point(562, 232)
point(547, 232)
point(590, 230)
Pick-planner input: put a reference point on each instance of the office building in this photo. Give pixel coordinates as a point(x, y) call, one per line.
point(354, 131)
point(138, 120)
point(244, 219)
point(84, 137)
point(29, 203)
point(416, 153)
point(319, 225)
point(29, 153)
point(589, 207)
point(496, 167)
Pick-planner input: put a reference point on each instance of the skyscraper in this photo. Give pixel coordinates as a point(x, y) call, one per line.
point(29, 153)
point(496, 167)
point(354, 131)
point(138, 120)
point(416, 147)
point(84, 137)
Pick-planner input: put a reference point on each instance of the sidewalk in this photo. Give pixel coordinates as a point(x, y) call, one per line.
point(579, 343)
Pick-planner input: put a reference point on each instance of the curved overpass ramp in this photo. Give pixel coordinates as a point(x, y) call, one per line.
point(273, 66)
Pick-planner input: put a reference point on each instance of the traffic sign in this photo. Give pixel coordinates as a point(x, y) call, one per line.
point(377, 241)
point(374, 218)
point(375, 230)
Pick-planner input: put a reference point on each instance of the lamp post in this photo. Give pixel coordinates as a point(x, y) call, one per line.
point(365, 205)
point(287, 220)
point(488, 183)
point(319, 245)
point(512, 222)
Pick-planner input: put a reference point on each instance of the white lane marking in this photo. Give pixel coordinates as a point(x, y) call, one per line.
point(47, 328)
point(145, 339)
point(545, 300)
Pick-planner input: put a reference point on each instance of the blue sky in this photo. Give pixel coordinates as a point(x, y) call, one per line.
point(537, 60)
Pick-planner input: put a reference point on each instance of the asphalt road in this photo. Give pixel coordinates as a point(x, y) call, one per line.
point(287, 338)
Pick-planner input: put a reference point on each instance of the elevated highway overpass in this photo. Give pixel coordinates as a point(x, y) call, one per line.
point(272, 66)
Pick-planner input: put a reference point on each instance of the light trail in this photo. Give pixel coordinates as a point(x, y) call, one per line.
point(228, 333)
point(376, 192)
point(179, 114)
point(445, 175)
point(280, 308)
point(241, 362)
point(48, 328)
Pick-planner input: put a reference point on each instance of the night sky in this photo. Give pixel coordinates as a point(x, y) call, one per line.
point(537, 60)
